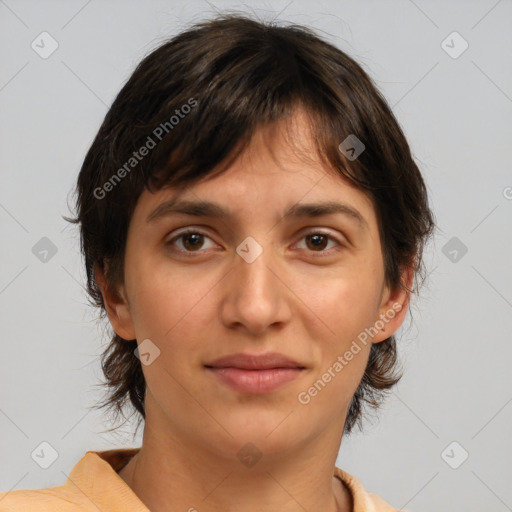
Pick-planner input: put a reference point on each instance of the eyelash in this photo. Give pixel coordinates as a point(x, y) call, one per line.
point(199, 232)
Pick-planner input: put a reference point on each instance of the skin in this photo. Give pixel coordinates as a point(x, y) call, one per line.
point(305, 302)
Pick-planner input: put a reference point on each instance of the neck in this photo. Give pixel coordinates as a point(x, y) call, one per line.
point(173, 473)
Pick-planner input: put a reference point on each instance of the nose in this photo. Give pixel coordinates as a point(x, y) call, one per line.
point(256, 295)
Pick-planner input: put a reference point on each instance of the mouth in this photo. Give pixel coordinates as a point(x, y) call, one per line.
point(255, 374)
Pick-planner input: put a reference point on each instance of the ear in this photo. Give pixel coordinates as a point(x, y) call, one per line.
point(393, 308)
point(116, 305)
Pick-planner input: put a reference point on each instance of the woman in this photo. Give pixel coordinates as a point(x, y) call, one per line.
point(252, 222)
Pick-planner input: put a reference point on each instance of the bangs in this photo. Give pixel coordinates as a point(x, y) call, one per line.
point(235, 89)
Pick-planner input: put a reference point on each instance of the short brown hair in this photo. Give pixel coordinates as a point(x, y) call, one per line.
point(242, 73)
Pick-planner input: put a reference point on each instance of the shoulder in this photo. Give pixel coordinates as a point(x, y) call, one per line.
point(51, 499)
point(69, 496)
point(363, 501)
point(92, 485)
point(381, 505)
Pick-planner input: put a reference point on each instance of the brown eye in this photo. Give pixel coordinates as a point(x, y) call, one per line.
point(318, 241)
point(191, 241)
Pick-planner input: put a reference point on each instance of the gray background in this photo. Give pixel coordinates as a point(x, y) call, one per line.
point(456, 347)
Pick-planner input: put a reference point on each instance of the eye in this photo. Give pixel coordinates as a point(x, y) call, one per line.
point(316, 241)
point(192, 239)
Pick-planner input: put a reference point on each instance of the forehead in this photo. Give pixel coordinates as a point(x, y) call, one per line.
point(277, 172)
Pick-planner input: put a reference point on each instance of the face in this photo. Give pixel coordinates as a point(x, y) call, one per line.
point(253, 282)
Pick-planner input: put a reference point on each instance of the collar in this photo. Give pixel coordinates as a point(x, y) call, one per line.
point(95, 475)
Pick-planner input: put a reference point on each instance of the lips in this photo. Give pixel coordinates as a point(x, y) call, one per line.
point(255, 374)
point(255, 362)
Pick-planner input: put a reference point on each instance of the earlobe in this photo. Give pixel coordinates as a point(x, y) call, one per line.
point(394, 309)
point(116, 306)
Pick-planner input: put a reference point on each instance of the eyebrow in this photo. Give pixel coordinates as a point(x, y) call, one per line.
point(214, 210)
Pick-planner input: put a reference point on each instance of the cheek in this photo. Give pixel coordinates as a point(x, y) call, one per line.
point(349, 305)
point(346, 304)
point(162, 295)
point(346, 308)
point(169, 304)
point(172, 314)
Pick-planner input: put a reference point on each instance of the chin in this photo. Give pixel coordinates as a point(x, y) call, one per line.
point(271, 432)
